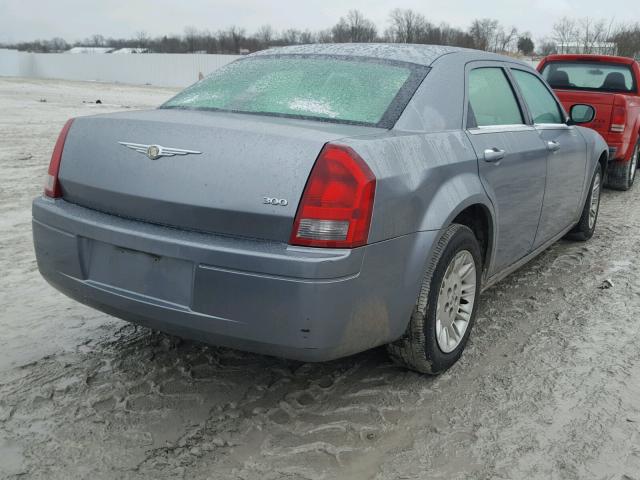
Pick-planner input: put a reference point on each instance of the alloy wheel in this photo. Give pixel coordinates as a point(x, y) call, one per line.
point(595, 200)
point(455, 301)
point(634, 163)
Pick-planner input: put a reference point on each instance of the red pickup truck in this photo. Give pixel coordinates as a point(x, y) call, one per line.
point(610, 85)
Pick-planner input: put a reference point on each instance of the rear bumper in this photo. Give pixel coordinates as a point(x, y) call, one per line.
point(613, 151)
point(620, 150)
point(302, 303)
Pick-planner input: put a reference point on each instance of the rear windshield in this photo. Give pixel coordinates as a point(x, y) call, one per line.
point(350, 90)
point(596, 76)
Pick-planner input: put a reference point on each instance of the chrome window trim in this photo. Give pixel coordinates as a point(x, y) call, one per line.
point(552, 126)
point(517, 127)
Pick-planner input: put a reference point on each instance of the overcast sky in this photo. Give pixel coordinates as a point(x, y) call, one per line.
point(78, 19)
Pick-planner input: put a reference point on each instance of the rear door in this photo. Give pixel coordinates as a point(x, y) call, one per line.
point(511, 159)
point(566, 157)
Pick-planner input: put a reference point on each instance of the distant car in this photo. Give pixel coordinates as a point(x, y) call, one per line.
point(610, 85)
point(315, 201)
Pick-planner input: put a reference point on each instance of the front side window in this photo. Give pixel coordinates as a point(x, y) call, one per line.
point(542, 105)
point(353, 90)
point(596, 76)
point(491, 98)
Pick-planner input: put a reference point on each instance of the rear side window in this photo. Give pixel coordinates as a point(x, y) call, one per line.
point(596, 76)
point(352, 90)
point(542, 105)
point(491, 98)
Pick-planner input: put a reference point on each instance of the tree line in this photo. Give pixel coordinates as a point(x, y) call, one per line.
point(593, 36)
point(404, 26)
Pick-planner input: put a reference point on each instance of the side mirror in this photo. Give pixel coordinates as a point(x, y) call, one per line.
point(581, 113)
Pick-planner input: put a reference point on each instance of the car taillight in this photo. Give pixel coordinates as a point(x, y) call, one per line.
point(52, 187)
point(618, 119)
point(337, 203)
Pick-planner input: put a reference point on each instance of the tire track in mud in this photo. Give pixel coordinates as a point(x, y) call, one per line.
point(555, 405)
point(547, 387)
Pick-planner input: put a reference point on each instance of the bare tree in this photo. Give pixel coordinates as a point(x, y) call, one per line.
point(565, 32)
point(627, 40)
point(236, 35)
point(505, 39)
point(191, 38)
point(454, 36)
point(307, 37)
point(595, 33)
point(97, 40)
point(354, 28)
point(208, 42)
point(325, 36)
point(547, 47)
point(291, 36)
point(265, 35)
point(406, 26)
point(142, 39)
point(483, 31)
point(58, 44)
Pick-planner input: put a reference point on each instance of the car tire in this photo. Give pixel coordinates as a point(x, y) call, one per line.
point(421, 348)
point(583, 231)
point(622, 174)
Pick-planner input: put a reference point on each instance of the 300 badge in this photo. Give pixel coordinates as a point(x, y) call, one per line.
point(281, 202)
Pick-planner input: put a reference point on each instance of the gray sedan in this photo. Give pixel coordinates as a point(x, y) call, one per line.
point(312, 202)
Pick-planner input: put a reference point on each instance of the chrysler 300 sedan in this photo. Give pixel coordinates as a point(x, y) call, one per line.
point(315, 201)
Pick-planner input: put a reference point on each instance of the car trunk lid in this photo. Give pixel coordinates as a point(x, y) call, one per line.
point(246, 180)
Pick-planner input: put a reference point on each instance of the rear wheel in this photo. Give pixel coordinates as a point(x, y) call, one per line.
point(623, 174)
point(446, 307)
point(587, 225)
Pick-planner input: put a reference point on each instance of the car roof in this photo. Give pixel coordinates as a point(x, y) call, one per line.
point(404, 52)
point(589, 58)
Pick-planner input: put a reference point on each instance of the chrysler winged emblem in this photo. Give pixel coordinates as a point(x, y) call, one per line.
point(156, 151)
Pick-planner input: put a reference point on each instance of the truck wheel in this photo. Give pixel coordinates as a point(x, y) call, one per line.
point(446, 307)
point(583, 231)
point(622, 174)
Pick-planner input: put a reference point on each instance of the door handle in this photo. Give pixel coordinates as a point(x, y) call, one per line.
point(553, 146)
point(493, 154)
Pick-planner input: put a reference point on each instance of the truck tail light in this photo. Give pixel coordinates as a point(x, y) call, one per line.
point(618, 116)
point(52, 187)
point(337, 203)
point(618, 119)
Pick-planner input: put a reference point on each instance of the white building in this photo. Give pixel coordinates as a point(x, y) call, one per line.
point(90, 50)
point(128, 50)
point(597, 48)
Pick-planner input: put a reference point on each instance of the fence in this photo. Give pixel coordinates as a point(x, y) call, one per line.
point(163, 69)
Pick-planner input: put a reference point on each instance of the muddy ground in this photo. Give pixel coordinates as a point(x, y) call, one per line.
point(548, 388)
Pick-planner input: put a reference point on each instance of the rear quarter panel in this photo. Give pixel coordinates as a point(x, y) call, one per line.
point(631, 134)
point(634, 107)
point(596, 146)
point(423, 180)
